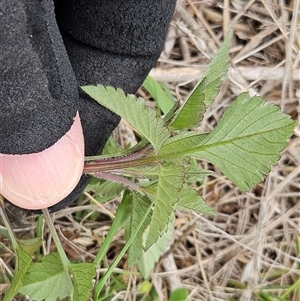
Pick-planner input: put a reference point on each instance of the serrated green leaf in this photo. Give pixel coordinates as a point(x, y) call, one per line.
point(23, 263)
point(142, 118)
point(140, 205)
point(189, 200)
point(170, 182)
point(47, 280)
point(149, 257)
point(244, 144)
point(191, 112)
point(216, 71)
point(247, 140)
point(83, 274)
point(164, 101)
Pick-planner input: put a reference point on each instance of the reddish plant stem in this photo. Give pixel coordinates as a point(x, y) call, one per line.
point(116, 178)
point(132, 160)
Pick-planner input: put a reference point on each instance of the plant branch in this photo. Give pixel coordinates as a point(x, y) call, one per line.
point(60, 250)
point(7, 223)
point(116, 178)
point(118, 163)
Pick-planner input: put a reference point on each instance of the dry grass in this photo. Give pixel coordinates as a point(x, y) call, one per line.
point(251, 245)
point(254, 236)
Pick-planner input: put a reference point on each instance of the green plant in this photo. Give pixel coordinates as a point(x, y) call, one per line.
point(244, 145)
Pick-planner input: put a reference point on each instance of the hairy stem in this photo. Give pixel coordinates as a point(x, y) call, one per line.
point(116, 178)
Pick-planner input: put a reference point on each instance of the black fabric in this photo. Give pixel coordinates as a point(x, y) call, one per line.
point(112, 42)
point(38, 90)
point(134, 27)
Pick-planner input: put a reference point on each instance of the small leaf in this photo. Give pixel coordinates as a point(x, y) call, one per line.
point(142, 118)
point(84, 274)
point(47, 280)
point(145, 287)
point(191, 112)
point(30, 246)
point(104, 188)
point(170, 182)
point(216, 71)
point(189, 200)
point(23, 263)
point(149, 257)
point(179, 294)
point(164, 101)
point(140, 205)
